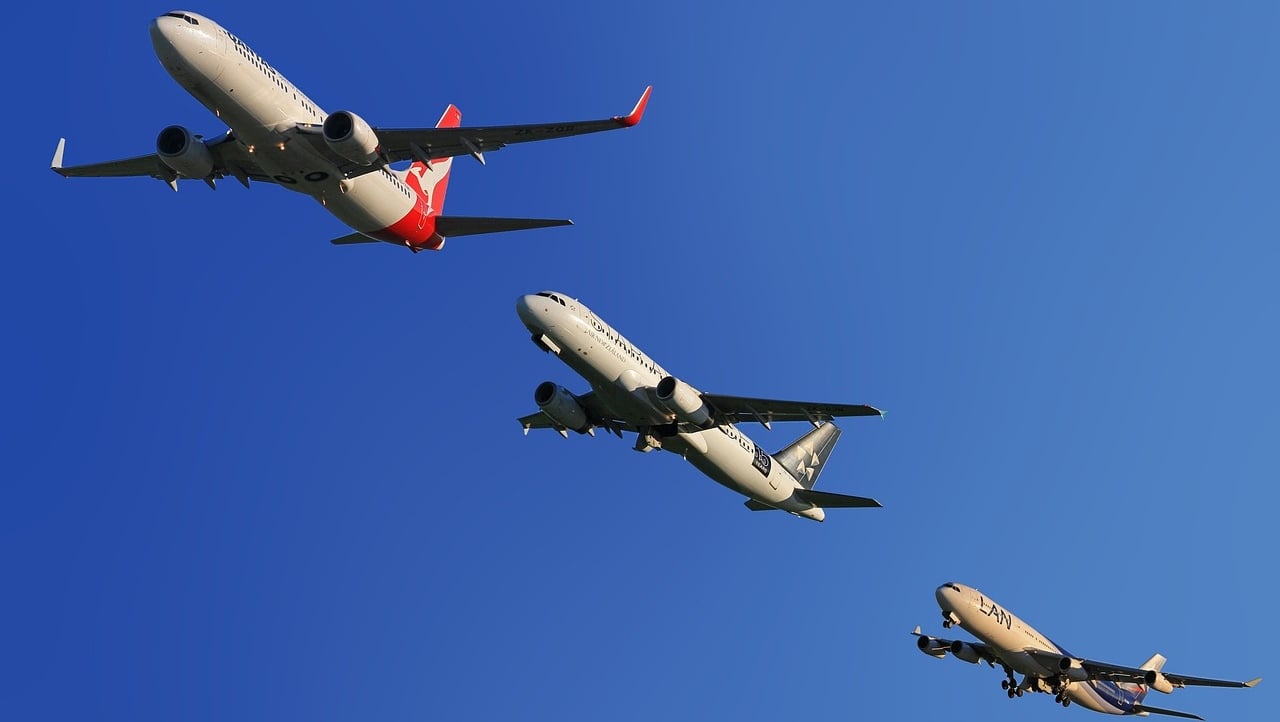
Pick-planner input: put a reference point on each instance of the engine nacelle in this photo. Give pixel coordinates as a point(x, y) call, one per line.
point(965, 652)
point(1157, 681)
point(350, 137)
point(184, 153)
point(684, 402)
point(561, 406)
point(1072, 669)
point(932, 647)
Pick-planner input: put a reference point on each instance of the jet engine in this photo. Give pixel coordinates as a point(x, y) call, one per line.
point(1072, 669)
point(933, 647)
point(687, 404)
point(184, 153)
point(350, 137)
point(1157, 681)
point(965, 652)
point(561, 406)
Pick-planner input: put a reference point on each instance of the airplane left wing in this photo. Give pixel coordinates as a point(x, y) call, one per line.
point(1157, 679)
point(741, 408)
point(399, 144)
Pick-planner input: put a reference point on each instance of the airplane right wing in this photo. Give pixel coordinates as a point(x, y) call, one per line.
point(741, 408)
point(971, 652)
point(597, 415)
point(228, 157)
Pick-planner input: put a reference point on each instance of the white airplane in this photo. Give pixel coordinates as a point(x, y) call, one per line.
point(279, 135)
point(631, 392)
point(1047, 667)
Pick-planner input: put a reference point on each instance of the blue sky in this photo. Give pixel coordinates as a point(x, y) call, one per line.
point(249, 475)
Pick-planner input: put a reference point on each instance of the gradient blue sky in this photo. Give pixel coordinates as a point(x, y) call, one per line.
point(247, 475)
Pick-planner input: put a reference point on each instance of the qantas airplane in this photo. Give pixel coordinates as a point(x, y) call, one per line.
point(279, 135)
point(1047, 667)
point(631, 392)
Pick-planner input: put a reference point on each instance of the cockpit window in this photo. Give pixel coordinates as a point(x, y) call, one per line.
point(183, 16)
point(953, 586)
point(552, 296)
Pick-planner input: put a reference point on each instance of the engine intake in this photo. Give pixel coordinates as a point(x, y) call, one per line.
point(183, 153)
point(933, 647)
point(965, 651)
point(1157, 681)
point(350, 137)
point(561, 406)
point(1072, 669)
point(682, 400)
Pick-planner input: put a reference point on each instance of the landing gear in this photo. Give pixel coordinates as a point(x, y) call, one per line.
point(1010, 683)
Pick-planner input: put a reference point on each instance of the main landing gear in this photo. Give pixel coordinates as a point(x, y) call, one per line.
point(1062, 699)
point(1010, 685)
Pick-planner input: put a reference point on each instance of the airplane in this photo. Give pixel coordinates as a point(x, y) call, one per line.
point(279, 135)
point(631, 392)
point(1046, 667)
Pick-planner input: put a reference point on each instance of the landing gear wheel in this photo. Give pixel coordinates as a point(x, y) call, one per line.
point(1012, 694)
point(1004, 684)
point(1018, 692)
point(1066, 701)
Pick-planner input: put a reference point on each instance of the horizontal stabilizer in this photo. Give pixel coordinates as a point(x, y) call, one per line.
point(353, 239)
point(452, 226)
point(1142, 708)
point(827, 500)
point(754, 505)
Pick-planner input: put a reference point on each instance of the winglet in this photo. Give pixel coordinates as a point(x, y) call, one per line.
point(1253, 682)
point(56, 165)
point(916, 631)
point(637, 112)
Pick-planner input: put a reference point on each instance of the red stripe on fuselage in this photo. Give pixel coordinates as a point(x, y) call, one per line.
point(416, 230)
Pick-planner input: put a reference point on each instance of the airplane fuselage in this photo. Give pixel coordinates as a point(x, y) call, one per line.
point(263, 110)
point(623, 376)
point(1000, 629)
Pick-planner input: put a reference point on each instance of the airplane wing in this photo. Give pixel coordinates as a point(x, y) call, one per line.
point(229, 159)
point(1120, 673)
point(939, 647)
point(766, 411)
point(597, 413)
point(400, 144)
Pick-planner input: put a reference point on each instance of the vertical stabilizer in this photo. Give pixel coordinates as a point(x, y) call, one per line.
point(431, 179)
point(1156, 662)
point(806, 457)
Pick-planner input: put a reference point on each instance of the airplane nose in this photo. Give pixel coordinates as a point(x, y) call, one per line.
point(162, 32)
point(948, 596)
point(525, 309)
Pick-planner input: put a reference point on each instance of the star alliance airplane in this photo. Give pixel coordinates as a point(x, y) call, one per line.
point(631, 392)
point(1047, 667)
point(279, 135)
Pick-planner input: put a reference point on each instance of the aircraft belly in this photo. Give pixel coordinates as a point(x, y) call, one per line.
point(1084, 694)
point(370, 205)
point(728, 462)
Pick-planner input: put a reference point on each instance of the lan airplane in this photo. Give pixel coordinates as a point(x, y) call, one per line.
point(1047, 667)
point(631, 392)
point(279, 135)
